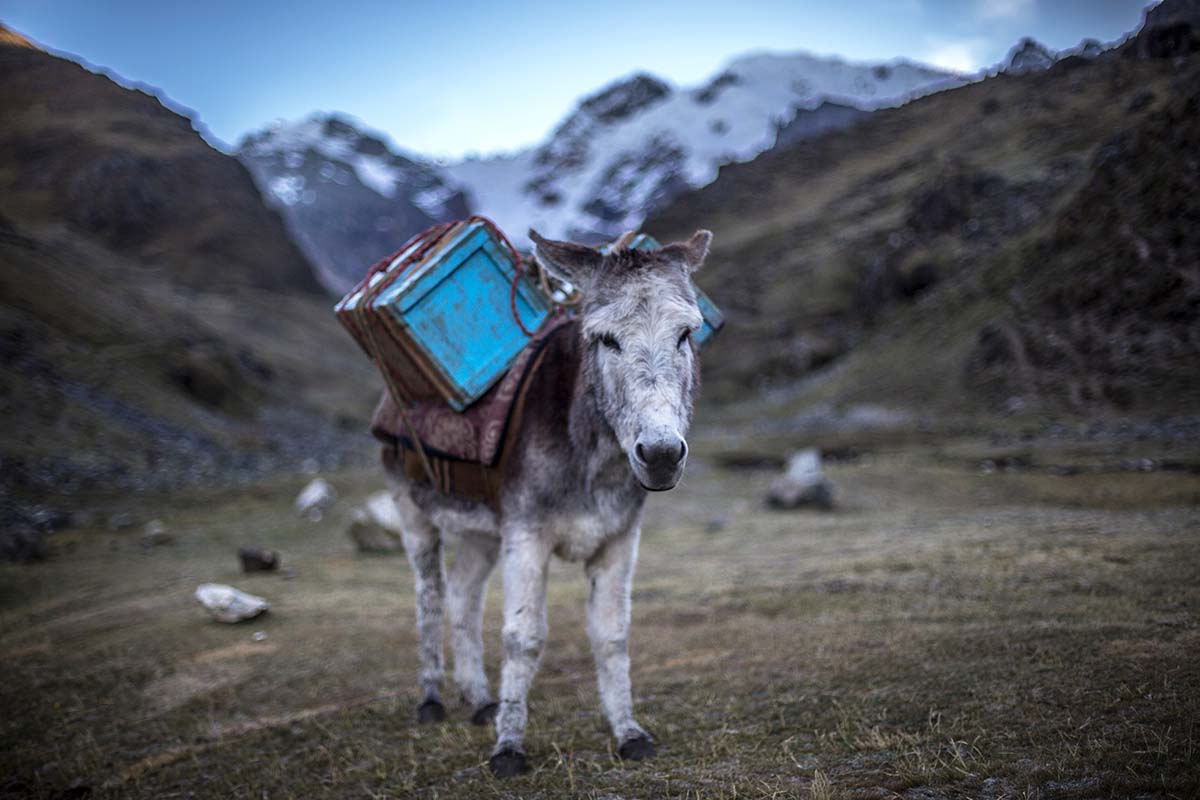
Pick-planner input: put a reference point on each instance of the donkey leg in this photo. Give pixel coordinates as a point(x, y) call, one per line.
point(466, 590)
point(526, 560)
point(423, 545)
point(611, 575)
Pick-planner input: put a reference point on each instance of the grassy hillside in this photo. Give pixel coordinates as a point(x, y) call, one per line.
point(157, 326)
point(886, 262)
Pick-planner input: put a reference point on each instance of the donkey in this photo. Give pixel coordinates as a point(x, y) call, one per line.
point(606, 416)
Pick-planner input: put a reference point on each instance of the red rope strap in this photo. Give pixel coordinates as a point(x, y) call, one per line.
point(512, 296)
point(517, 271)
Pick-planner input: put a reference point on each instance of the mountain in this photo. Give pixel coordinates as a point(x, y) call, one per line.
point(631, 147)
point(1023, 242)
point(158, 326)
point(1172, 12)
point(347, 197)
point(67, 145)
point(1028, 55)
point(810, 122)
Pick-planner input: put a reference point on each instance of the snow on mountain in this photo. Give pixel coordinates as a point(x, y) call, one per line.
point(348, 198)
point(1087, 48)
point(1028, 55)
point(637, 143)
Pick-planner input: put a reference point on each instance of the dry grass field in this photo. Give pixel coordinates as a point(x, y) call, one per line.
point(946, 632)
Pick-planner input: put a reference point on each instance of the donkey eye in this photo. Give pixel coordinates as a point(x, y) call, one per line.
point(610, 341)
point(684, 336)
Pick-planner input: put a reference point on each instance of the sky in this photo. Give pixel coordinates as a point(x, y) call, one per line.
point(450, 79)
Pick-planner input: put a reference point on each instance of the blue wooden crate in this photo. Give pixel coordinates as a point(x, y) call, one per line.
point(714, 320)
point(453, 309)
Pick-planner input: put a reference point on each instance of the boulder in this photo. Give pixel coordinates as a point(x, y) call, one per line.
point(255, 559)
point(802, 484)
point(120, 521)
point(155, 533)
point(49, 520)
point(315, 498)
point(230, 605)
point(375, 527)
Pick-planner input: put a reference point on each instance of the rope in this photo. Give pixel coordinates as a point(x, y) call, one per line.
point(512, 296)
point(433, 235)
point(430, 237)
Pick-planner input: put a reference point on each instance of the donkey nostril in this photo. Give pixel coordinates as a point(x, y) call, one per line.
point(641, 452)
point(682, 450)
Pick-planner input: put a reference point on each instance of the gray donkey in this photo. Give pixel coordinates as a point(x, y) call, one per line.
point(606, 415)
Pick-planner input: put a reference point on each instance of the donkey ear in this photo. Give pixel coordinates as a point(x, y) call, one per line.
point(692, 252)
point(572, 262)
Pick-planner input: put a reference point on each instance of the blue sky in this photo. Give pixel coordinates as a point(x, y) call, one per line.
point(450, 78)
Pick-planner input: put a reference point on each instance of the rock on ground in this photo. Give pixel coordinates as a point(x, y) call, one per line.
point(255, 559)
point(227, 604)
point(315, 498)
point(155, 533)
point(376, 526)
point(802, 484)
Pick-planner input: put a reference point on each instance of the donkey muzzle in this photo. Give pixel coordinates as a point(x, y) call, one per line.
point(658, 461)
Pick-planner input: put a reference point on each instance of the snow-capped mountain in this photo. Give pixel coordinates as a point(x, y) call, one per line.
point(635, 144)
point(1028, 55)
point(348, 198)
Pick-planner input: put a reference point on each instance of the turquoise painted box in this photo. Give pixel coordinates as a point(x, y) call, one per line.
point(452, 311)
point(437, 316)
point(714, 320)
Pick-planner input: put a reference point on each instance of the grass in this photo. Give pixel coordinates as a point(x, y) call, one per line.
point(944, 633)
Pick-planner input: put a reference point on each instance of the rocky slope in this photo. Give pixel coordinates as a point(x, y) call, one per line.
point(993, 247)
point(158, 326)
point(348, 199)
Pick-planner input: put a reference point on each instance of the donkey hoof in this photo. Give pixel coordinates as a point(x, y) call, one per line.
point(638, 748)
point(431, 711)
point(484, 714)
point(508, 763)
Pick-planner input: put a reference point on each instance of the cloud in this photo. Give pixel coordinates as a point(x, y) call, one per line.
point(1005, 9)
point(960, 55)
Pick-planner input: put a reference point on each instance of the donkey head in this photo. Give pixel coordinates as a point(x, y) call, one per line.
point(638, 318)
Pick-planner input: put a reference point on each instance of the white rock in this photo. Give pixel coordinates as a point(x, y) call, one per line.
point(155, 533)
point(228, 604)
point(803, 484)
point(805, 466)
point(314, 498)
point(376, 526)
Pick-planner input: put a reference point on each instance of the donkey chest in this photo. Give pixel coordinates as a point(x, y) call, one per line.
point(578, 531)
